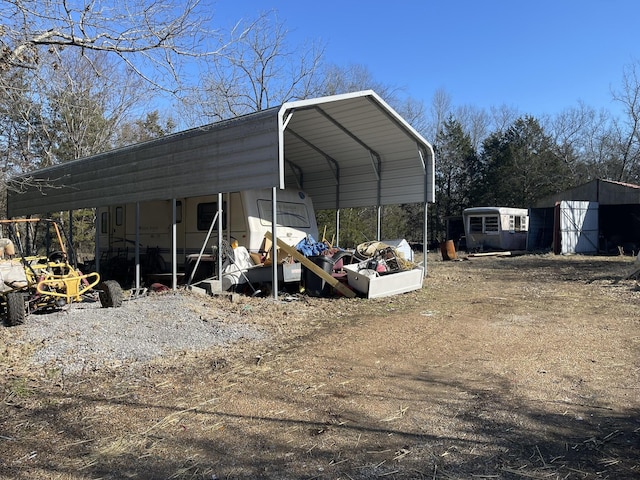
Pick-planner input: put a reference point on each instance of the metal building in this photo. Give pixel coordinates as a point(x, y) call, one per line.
point(600, 216)
point(350, 150)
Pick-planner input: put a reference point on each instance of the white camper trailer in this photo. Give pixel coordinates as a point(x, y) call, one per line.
point(496, 228)
point(246, 218)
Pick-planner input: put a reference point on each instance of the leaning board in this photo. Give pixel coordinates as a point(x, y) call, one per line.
point(335, 283)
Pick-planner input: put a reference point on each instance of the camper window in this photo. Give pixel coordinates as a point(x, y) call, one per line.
point(119, 216)
point(517, 223)
point(289, 214)
point(178, 211)
point(476, 224)
point(207, 212)
point(491, 224)
point(483, 224)
point(104, 222)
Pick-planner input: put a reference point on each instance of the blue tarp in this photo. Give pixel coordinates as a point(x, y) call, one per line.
point(309, 247)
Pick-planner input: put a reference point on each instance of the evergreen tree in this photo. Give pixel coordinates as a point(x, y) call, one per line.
point(147, 128)
point(457, 172)
point(520, 166)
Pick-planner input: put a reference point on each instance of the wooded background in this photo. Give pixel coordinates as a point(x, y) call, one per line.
point(78, 80)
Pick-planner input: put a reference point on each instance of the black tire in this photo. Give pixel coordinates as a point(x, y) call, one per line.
point(16, 309)
point(110, 294)
point(57, 257)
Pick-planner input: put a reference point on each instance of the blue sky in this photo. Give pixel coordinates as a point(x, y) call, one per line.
point(539, 56)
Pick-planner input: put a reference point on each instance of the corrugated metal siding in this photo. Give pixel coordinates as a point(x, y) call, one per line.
point(241, 154)
point(605, 192)
point(403, 178)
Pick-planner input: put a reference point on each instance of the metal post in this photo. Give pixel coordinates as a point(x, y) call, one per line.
point(337, 227)
point(70, 248)
point(425, 239)
point(98, 224)
point(274, 255)
point(219, 260)
point(174, 245)
point(137, 247)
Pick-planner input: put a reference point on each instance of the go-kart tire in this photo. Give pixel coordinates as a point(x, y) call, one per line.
point(16, 309)
point(110, 294)
point(57, 256)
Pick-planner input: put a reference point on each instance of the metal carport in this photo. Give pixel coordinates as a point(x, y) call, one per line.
point(348, 150)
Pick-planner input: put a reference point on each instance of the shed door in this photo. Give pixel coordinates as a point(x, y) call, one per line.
point(579, 227)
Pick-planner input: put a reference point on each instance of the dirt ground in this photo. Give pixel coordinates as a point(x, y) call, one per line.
point(507, 368)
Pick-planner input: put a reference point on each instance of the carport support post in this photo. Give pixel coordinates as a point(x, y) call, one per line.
point(97, 240)
point(274, 243)
point(174, 246)
point(429, 196)
point(425, 250)
point(70, 247)
point(337, 228)
point(137, 248)
point(219, 227)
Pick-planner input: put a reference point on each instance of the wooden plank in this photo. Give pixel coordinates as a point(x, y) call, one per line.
point(514, 253)
point(335, 283)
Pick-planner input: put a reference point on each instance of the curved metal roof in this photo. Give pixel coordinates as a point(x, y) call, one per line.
point(347, 150)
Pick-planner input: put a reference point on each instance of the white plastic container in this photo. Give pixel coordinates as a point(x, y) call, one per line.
point(374, 285)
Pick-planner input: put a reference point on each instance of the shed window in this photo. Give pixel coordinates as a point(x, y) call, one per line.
point(206, 214)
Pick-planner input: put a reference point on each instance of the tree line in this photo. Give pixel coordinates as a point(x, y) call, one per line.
point(79, 80)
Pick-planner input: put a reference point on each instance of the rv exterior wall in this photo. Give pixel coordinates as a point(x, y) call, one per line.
point(496, 228)
point(246, 218)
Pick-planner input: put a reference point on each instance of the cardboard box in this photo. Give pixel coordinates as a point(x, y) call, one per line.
point(267, 246)
point(374, 285)
point(256, 258)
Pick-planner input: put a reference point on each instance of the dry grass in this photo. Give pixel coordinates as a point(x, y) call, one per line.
point(505, 368)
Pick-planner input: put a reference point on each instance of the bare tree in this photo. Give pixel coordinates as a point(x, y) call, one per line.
point(56, 104)
point(440, 111)
point(336, 79)
point(354, 77)
point(88, 98)
point(627, 131)
point(502, 117)
point(150, 36)
point(476, 123)
point(65, 112)
point(21, 137)
point(580, 136)
point(257, 69)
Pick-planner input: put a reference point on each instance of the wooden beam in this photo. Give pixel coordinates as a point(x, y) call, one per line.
point(335, 283)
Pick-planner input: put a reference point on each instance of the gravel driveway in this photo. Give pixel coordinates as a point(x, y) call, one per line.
point(85, 336)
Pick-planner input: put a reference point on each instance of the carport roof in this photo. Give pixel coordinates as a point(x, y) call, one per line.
point(347, 150)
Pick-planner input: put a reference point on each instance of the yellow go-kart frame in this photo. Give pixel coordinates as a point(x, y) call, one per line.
point(50, 281)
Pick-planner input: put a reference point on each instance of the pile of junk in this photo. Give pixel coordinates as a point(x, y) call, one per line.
point(316, 268)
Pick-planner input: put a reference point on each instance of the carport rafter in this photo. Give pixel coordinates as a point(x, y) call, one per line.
point(334, 165)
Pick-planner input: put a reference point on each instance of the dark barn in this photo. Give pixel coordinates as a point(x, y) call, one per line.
point(615, 224)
